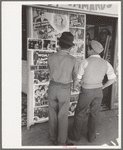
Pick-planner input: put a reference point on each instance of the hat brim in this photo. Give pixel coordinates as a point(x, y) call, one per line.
point(69, 43)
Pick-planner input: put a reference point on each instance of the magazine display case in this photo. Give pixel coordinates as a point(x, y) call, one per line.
point(44, 27)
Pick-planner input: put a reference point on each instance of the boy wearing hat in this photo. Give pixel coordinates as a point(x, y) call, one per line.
point(91, 73)
point(63, 67)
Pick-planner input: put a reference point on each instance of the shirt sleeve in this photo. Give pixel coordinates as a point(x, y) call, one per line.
point(110, 72)
point(83, 65)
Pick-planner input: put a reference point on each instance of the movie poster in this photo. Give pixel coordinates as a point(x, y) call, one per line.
point(49, 25)
point(34, 44)
point(49, 45)
point(77, 50)
point(40, 58)
point(78, 34)
point(41, 95)
point(41, 113)
point(77, 20)
point(72, 108)
point(41, 76)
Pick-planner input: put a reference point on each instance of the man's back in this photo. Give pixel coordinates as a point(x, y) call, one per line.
point(94, 73)
point(61, 66)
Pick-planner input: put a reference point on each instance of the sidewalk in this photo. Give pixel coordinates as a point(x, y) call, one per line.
point(107, 132)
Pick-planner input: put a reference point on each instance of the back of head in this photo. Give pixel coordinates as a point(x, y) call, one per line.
point(96, 46)
point(66, 40)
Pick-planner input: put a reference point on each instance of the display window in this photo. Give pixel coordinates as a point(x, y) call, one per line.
point(47, 26)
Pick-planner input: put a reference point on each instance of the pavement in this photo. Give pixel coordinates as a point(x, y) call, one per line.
point(107, 132)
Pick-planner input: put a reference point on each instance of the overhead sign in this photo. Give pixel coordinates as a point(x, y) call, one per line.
point(100, 8)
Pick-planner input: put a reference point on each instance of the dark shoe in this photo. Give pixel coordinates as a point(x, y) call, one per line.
point(89, 139)
point(54, 142)
point(69, 144)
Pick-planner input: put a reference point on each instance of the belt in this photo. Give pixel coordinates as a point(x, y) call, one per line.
point(59, 83)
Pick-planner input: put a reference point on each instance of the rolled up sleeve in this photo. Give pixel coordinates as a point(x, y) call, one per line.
point(110, 72)
point(83, 65)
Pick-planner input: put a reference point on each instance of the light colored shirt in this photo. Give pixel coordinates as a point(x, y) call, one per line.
point(63, 67)
point(92, 71)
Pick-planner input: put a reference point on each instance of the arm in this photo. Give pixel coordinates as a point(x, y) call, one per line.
point(108, 83)
point(111, 76)
point(80, 71)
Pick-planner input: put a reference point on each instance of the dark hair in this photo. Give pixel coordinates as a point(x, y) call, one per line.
point(64, 45)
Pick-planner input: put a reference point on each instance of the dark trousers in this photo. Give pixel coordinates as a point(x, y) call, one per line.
point(59, 102)
point(92, 97)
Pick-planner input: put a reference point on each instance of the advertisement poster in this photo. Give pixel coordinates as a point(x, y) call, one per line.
point(78, 34)
point(49, 45)
point(77, 20)
point(78, 50)
point(34, 44)
point(72, 108)
point(40, 58)
point(49, 25)
point(41, 114)
point(41, 76)
point(41, 95)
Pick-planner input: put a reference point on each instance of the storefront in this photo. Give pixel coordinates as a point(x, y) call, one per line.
point(42, 25)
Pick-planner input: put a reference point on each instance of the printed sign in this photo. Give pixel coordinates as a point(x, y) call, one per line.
point(41, 76)
point(41, 95)
point(40, 58)
point(77, 20)
point(40, 113)
point(49, 25)
point(34, 44)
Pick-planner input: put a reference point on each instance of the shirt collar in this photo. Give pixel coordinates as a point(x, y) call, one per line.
point(95, 56)
point(64, 52)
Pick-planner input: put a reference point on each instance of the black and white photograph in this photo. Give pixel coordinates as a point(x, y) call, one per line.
point(77, 20)
point(40, 58)
point(41, 76)
point(41, 95)
point(62, 73)
point(78, 33)
point(34, 44)
point(72, 108)
point(40, 114)
point(49, 45)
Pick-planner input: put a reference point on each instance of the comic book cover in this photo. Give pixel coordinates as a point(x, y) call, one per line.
point(41, 76)
point(49, 25)
point(78, 34)
point(40, 113)
point(77, 20)
point(41, 95)
point(77, 50)
point(72, 108)
point(49, 45)
point(34, 44)
point(40, 58)
point(73, 91)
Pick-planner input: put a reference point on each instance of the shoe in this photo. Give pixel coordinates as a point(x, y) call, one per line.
point(69, 144)
point(90, 140)
point(54, 142)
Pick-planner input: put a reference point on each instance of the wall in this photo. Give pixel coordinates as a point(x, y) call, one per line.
point(24, 76)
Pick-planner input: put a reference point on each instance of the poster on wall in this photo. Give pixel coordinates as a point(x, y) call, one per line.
point(77, 50)
point(72, 108)
point(40, 58)
point(40, 95)
point(49, 25)
point(77, 20)
point(34, 44)
point(41, 76)
point(40, 114)
point(78, 34)
point(49, 45)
